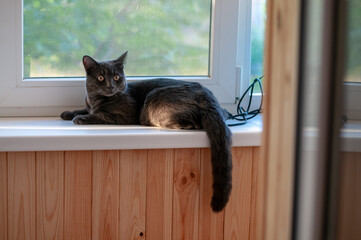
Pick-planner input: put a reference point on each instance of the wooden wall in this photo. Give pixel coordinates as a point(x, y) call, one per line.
point(349, 202)
point(126, 194)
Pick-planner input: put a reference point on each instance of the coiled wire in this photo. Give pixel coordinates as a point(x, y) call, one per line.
point(243, 115)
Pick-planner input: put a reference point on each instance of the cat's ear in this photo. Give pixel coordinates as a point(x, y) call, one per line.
point(89, 63)
point(121, 60)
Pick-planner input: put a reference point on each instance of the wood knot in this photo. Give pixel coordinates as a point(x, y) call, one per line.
point(184, 180)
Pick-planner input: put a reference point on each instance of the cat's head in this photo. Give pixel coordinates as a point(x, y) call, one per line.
point(105, 78)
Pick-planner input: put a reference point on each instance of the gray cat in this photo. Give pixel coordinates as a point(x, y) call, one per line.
point(159, 102)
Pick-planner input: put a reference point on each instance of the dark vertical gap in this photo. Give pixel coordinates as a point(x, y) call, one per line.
point(199, 186)
point(172, 172)
point(252, 191)
point(339, 17)
point(64, 191)
point(299, 119)
point(7, 194)
point(329, 71)
point(173, 187)
point(224, 210)
point(333, 71)
point(119, 191)
point(118, 199)
point(201, 160)
point(36, 194)
point(91, 193)
point(146, 195)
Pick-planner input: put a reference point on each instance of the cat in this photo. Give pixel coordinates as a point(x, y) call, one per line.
point(160, 102)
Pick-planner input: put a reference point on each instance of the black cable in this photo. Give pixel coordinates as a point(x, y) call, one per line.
point(244, 115)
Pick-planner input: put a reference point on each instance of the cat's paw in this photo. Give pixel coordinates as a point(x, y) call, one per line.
point(67, 115)
point(80, 120)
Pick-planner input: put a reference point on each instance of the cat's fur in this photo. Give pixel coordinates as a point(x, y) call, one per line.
point(159, 102)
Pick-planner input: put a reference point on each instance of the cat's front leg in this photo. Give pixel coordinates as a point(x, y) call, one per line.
point(90, 119)
point(69, 115)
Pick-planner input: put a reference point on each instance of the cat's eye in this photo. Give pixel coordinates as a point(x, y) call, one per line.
point(100, 78)
point(116, 77)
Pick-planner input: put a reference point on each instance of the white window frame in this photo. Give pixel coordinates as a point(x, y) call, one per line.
point(230, 48)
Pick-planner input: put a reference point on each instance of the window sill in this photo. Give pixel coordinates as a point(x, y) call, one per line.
point(53, 134)
point(351, 137)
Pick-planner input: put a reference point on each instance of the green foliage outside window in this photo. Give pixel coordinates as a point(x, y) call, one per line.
point(163, 37)
point(353, 69)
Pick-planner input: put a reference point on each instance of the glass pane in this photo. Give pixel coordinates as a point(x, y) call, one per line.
point(353, 68)
point(163, 37)
point(257, 37)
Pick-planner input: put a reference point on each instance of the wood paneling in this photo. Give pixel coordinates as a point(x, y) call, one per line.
point(237, 213)
point(125, 194)
point(133, 177)
point(349, 209)
point(160, 194)
point(105, 201)
point(280, 110)
point(3, 196)
point(186, 194)
point(77, 194)
point(210, 223)
point(21, 195)
point(49, 195)
point(257, 196)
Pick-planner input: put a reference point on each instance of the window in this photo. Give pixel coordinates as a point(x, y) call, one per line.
point(353, 49)
point(208, 39)
point(251, 32)
point(353, 61)
point(161, 37)
point(257, 38)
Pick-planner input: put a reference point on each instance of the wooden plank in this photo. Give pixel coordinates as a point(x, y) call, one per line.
point(237, 212)
point(186, 194)
point(77, 194)
point(49, 195)
point(21, 195)
point(257, 195)
point(349, 209)
point(3, 196)
point(159, 194)
point(133, 177)
point(105, 194)
point(281, 72)
point(210, 223)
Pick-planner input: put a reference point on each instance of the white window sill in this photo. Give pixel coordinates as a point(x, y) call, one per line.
point(351, 137)
point(53, 134)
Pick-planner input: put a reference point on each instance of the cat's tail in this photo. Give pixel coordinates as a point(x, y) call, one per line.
point(220, 138)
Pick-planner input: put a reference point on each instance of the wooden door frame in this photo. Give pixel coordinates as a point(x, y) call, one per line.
point(280, 113)
point(286, 65)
